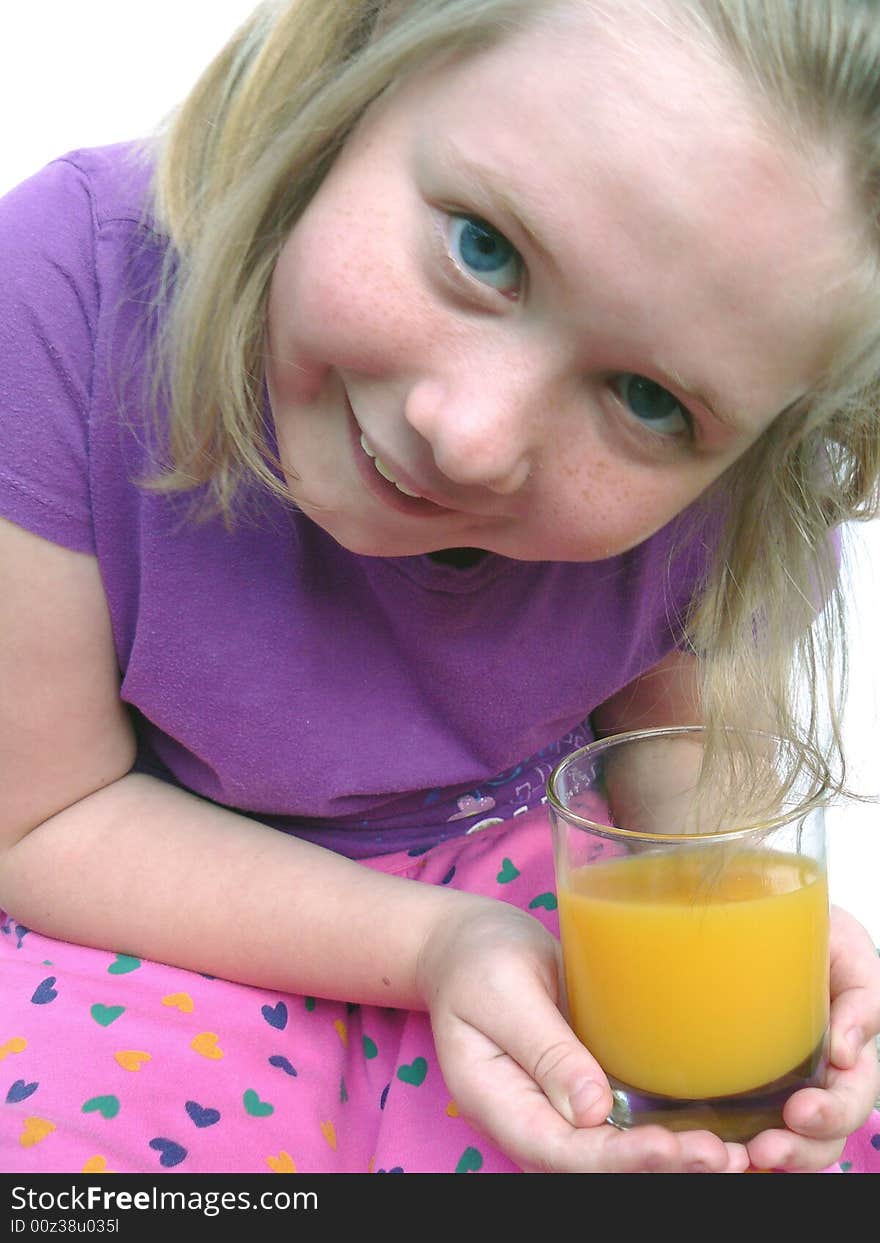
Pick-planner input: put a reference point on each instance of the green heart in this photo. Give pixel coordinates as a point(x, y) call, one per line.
point(105, 1015)
point(370, 1049)
point(343, 1091)
point(414, 1073)
point(106, 1106)
point(471, 1160)
point(124, 963)
point(310, 1003)
point(546, 900)
point(845, 1167)
point(255, 1107)
point(508, 872)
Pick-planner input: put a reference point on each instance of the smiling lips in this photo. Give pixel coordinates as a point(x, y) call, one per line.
point(383, 469)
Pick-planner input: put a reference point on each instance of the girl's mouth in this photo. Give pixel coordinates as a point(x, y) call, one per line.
point(381, 482)
point(383, 469)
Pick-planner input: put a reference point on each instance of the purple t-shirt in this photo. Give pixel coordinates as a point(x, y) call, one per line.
point(368, 703)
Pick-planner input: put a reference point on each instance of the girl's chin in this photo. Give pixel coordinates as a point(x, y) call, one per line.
point(361, 536)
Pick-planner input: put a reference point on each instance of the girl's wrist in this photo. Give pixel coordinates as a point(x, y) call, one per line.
point(480, 926)
point(447, 930)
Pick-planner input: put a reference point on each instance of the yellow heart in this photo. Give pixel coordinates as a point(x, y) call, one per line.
point(96, 1165)
point(180, 1001)
point(35, 1130)
point(282, 1164)
point(372, 1165)
point(16, 1045)
point(341, 1031)
point(206, 1044)
point(452, 1109)
point(132, 1059)
point(328, 1130)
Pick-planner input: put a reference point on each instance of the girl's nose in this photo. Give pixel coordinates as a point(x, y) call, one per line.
point(482, 430)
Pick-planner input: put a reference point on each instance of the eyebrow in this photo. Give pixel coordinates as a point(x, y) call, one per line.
point(710, 400)
point(483, 181)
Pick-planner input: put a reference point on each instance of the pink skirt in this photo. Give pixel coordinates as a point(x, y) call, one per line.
point(110, 1063)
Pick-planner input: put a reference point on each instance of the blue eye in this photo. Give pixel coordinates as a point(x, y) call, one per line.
point(484, 253)
point(652, 404)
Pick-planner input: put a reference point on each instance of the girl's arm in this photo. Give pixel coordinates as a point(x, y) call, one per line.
point(92, 853)
point(667, 694)
point(645, 791)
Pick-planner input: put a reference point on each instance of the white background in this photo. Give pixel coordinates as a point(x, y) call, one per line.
point(84, 72)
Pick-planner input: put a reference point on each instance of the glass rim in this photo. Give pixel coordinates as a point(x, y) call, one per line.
point(807, 805)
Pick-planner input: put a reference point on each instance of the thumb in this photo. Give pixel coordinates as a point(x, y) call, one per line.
point(567, 1073)
point(572, 1079)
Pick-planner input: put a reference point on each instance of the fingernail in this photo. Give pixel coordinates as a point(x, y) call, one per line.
point(584, 1096)
point(813, 1121)
point(854, 1040)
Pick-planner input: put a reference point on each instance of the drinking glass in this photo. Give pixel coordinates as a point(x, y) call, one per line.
point(694, 924)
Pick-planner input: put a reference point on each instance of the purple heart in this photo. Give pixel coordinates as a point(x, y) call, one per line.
point(276, 1016)
point(202, 1117)
point(20, 1091)
point(282, 1063)
point(44, 992)
point(171, 1153)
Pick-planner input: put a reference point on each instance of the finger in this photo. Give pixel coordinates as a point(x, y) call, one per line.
point(855, 989)
point(782, 1150)
point(853, 1027)
point(654, 1150)
point(841, 1106)
point(502, 1100)
point(544, 1045)
point(571, 1081)
point(641, 1150)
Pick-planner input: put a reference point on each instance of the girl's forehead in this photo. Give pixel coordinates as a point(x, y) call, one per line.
point(548, 96)
point(624, 56)
point(639, 160)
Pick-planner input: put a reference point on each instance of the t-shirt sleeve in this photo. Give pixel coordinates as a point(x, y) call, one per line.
point(49, 302)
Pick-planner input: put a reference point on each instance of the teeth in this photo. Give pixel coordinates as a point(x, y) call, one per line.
point(386, 474)
point(383, 469)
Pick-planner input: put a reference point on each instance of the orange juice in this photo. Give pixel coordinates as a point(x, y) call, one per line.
point(695, 975)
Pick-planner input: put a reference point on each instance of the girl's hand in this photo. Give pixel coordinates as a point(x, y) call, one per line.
point(820, 1119)
point(491, 982)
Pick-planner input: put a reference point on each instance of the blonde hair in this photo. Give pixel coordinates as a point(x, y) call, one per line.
point(249, 148)
point(771, 619)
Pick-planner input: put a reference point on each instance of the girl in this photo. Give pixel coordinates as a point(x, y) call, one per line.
point(442, 389)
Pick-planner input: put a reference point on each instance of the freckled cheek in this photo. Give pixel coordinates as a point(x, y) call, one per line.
point(608, 509)
point(354, 311)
